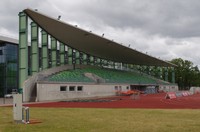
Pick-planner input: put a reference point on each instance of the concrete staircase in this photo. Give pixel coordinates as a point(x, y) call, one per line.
point(95, 78)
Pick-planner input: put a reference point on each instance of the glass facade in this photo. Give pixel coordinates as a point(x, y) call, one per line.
point(8, 68)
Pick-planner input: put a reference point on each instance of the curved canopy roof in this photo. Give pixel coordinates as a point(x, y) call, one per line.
point(91, 43)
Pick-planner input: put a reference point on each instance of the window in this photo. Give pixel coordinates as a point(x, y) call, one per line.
point(71, 88)
point(1, 52)
point(63, 88)
point(120, 88)
point(127, 87)
point(80, 88)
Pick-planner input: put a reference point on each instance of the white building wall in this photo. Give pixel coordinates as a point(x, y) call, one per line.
point(52, 92)
point(168, 88)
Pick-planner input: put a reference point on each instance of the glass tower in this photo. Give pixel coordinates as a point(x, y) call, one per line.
point(8, 67)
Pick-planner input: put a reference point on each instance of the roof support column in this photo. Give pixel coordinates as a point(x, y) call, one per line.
point(95, 60)
point(34, 49)
point(98, 62)
point(44, 50)
point(160, 73)
point(23, 48)
point(130, 66)
point(152, 71)
point(106, 62)
point(66, 55)
point(70, 55)
point(142, 68)
point(84, 59)
point(113, 64)
point(156, 71)
point(91, 60)
point(173, 75)
point(109, 63)
point(166, 74)
point(62, 54)
point(148, 70)
point(53, 52)
point(77, 54)
point(118, 65)
point(101, 63)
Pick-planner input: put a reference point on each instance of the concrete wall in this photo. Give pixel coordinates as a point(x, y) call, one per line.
point(168, 88)
point(52, 92)
point(29, 86)
point(29, 89)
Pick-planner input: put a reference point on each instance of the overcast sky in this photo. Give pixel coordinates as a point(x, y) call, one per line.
point(163, 28)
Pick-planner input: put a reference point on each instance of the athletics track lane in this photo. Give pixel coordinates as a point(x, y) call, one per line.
point(151, 101)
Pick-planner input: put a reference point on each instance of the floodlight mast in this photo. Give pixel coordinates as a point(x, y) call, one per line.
point(59, 17)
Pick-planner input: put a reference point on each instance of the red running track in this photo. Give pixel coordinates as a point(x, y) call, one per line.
point(152, 101)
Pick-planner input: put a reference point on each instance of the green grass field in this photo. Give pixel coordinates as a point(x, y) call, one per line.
point(103, 120)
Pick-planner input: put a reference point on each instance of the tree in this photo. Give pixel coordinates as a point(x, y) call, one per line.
point(187, 75)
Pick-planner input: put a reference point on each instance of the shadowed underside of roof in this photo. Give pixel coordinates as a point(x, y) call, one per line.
point(92, 44)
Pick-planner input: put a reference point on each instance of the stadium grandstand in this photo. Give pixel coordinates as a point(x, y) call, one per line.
point(63, 62)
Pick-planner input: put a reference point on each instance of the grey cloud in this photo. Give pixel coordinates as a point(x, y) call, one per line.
point(176, 19)
point(173, 18)
point(9, 10)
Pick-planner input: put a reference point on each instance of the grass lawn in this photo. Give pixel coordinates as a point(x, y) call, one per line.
point(103, 120)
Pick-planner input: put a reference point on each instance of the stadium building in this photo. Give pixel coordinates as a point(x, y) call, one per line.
point(59, 61)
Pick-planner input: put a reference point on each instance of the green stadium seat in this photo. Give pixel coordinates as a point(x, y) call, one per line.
point(109, 75)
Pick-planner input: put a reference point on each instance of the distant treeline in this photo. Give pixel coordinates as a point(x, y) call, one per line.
point(187, 74)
